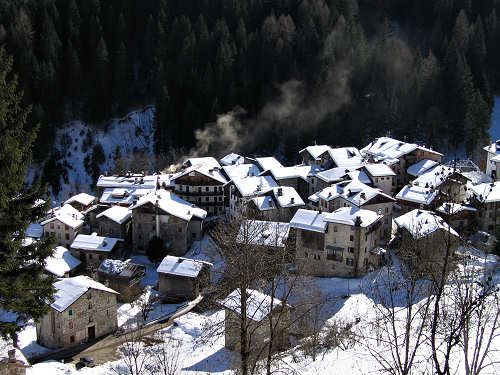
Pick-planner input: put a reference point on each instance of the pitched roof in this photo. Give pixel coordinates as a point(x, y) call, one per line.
point(171, 204)
point(268, 163)
point(209, 161)
point(417, 194)
point(93, 242)
point(353, 191)
point(309, 220)
point(379, 170)
point(454, 208)
point(61, 262)
point(117, 214)
point(181, 266)
point(232, 159)
point(421, 223)
point(82, 198)
point(493, 148)
point(349, 215)
point(34, 230)
point(241, 170)
point(130, 181)
point(487, 192)
point(250, 186)
point(346, 156)
point(67, 215)
point(70, 289)
point(315, 151)
point(434, 177)
point(421, 167)
point(335, 174)
point(258, 305)
point(299, 171)
point(265, 233)
point(206, 169)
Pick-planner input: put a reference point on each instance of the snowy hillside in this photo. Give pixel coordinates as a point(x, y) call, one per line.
point(75, 140)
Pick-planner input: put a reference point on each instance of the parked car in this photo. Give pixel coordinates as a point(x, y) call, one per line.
point(85, 362)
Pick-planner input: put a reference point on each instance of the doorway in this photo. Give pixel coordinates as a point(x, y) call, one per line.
point(91, 331)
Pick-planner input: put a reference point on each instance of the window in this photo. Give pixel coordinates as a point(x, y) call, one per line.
point(101, 257)
point(89, 296)
point(306, 254)
point(70, 312)
point(67, 236)
point(335, 229)
point(72, 339)
point(180, 229)
point(349, 261)
point(387, 209)
point(91, 319)
point(199, 189)
point(350, 249)
point(59, 235)
point(207, 188)
point(351, 238)
point(51, 225)
point(107, 312)
point(90, 256)
point(90, 306)
point(66, 227)
point(70, 325)
point(107, 299)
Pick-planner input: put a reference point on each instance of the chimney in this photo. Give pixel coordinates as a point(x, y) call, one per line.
point(12, 355)
point(180, 260)
point(363, 196)
point(292, 200)
point(280, 192)
point(104, 243)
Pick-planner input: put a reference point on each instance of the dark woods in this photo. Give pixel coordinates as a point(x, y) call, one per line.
point(423, 69)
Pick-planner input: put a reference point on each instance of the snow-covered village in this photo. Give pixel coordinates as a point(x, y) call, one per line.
point(249, 187)
point(342, 258)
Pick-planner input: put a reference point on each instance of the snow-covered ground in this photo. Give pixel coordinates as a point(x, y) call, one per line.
point(131, 133)
point(495, 121)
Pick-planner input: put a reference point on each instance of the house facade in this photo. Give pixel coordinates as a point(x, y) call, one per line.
point(122, 276)
point(64, 224)
point(83, 310)
point(91, 250)
point(115, 222)
point(342, 243)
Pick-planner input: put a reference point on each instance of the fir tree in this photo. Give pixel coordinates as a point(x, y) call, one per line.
point(23, 288)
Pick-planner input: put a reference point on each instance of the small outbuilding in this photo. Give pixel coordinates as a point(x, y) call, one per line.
point(93, 249)
point(115, 222)
point(182, 278)
point(62, 263)
point(123, 276)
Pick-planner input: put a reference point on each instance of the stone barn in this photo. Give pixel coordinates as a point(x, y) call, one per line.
point(123, 276)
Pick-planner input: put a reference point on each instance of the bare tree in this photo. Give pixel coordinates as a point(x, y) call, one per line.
point(166, 356)
point(133, 353)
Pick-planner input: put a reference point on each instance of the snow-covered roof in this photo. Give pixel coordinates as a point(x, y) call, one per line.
point(359, 176)
point(417, 194)
point(67, 215)
point(131, 181)
point(205, 169)
point(268, 163)
point(61, 262)
point(123, 196)
point(172, 204)
point(421, 167)
point(335, 174)
point(346, 156)
point(82, 198)
point(454, 208)
point(287, 196)
point(264, 203)
point(309, 220)
point(34, 230)
point(282, 173)
point(118, 214)
point(353, 191)
point(258, 304)
point(93, 242)
point(265, 233)
point(434, 177)
point(493, 148)
point(250, 186)
point(315, 151)
point(487, 192)
point(241, 170)
point(232, 159)
point(379, 170)
point(388, 148)
point(119, 267)
point(70, 289)
point(181, 266)
point(421, 223)
point(349, 215)
point(209, 161)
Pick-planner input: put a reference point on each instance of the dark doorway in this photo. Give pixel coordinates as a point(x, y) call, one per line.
point(91, 332)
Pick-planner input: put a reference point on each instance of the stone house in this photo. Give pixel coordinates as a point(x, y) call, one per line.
point(82, 201)
point(311, 155)
point(232, 159)
point(267, 234)
point(93, 249)
point(267, 163)
point(62, 263)
point(64, 223)
point(461, 217)
point(259, 308)
point(164, 215)
point(182, 279)
point(82, 311)
point(323, 179)
point(296, 177)
point(342, 157)
point(343, 243)
point(382, 177)
point(421, 167)
point(277, 204)
point(240, 171)
point(123, 276)
point(486, 199)
point(115, 222)
point(426, 234)
point(411, 197)
point(398, 155)
point(129, 181)
point(357, 194)
point(239, 191)
point(202, 184)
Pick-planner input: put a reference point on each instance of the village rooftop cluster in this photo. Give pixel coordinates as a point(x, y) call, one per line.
point(345, 207)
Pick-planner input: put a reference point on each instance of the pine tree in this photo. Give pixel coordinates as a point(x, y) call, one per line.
point(23, 288)
point(161, 122)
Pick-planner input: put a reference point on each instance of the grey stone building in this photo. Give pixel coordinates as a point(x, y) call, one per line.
point(123, 276)
point(343, 243)
point(164, 215)
point(82, 310)
point(115, 222)
point(93, 249)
